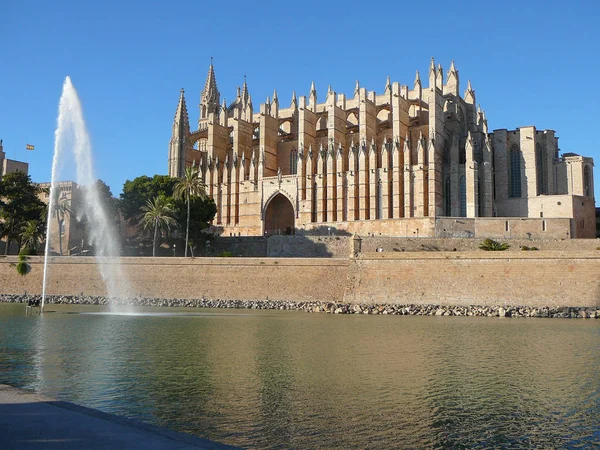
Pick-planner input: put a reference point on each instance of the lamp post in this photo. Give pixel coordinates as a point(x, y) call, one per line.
point(174, 249)
point(207, 246)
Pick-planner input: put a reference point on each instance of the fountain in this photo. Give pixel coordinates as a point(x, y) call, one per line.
point(71, 139)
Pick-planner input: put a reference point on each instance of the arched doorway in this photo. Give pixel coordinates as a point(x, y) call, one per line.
point(279, 216)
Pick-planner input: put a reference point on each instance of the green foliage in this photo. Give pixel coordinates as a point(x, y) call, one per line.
point(159, 216)
point(226, 254)
point(189, 187)
point(525, 248)
point(491, 245)
point(201, 213)
point(105, 196)
point(136, 194)
point(20, 204)
point(23, 268)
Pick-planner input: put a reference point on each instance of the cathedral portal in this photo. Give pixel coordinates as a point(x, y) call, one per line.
point(279, 216)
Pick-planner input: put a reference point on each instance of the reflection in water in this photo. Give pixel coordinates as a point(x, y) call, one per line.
point(288, 379)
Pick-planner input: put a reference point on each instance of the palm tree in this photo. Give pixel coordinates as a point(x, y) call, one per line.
point(159, 215)
point(10, 229)
point(188, 186)
point(32, 234)
point(61, 209)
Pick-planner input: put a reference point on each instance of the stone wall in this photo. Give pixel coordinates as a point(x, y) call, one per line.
point(336, 246)
point(548, 278)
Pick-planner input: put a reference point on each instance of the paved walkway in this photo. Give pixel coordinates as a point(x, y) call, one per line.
point(31, 421)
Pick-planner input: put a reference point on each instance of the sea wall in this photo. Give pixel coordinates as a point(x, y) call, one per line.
point(538, 279)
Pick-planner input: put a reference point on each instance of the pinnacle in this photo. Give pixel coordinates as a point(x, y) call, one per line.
point(356, 88)
point(388, 84)
point(417, 78)
point(312, 87)
point(432, 65)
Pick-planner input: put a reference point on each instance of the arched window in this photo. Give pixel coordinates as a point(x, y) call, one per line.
point(294, 161)
point(379, 201)
point(515, 172)
point(463, 196)
point(587, 181)
point(447, 201)
point(315, 196)
point(539, 169)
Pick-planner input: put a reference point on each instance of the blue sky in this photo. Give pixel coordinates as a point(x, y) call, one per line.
point(530, 63)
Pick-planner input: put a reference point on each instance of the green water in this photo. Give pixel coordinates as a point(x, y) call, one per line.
point(264, 379)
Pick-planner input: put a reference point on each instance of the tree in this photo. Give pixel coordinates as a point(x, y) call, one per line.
point(202, 211)
point(136, 194)
point(187, 187)
point(61, 208)
point(158, 214)
point(20, 203)
point(32, 235)
point(109, 204)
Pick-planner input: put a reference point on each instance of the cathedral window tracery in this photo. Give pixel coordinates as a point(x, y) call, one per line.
point(587, 181)
point(539, 168)
point(515, 172)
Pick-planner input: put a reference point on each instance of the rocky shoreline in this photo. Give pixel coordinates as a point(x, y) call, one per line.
point(326, 307)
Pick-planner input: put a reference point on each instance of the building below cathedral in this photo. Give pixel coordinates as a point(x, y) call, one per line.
point(404, 162)
point(10, 165)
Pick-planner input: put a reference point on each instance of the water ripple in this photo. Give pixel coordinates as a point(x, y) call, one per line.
point(294, 380)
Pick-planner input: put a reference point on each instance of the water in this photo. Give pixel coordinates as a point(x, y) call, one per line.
point(265, 379)
point(72, 143)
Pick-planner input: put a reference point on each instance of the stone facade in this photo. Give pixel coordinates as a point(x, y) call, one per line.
point(72, 234)
point(389, 163)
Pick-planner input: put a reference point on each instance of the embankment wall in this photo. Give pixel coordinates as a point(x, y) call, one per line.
point(550, 278)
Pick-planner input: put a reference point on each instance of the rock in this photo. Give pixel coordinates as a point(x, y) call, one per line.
point(501, 312)
point(439, 312)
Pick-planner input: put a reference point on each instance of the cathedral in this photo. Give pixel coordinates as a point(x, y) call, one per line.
point(409, 161)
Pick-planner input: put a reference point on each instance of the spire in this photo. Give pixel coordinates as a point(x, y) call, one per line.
point(210, 98)
point(432, 67)
point(312, 88)
point(356, 88)
point(245, 96)
point(181, 122)
point(388, 86)
point(275, 99)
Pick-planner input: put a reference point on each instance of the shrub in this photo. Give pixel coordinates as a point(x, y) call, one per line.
point(493, 246)
point(226, 254)
point(23, 268)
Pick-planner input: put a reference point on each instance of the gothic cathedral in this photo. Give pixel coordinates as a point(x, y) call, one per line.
point(416, 162)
